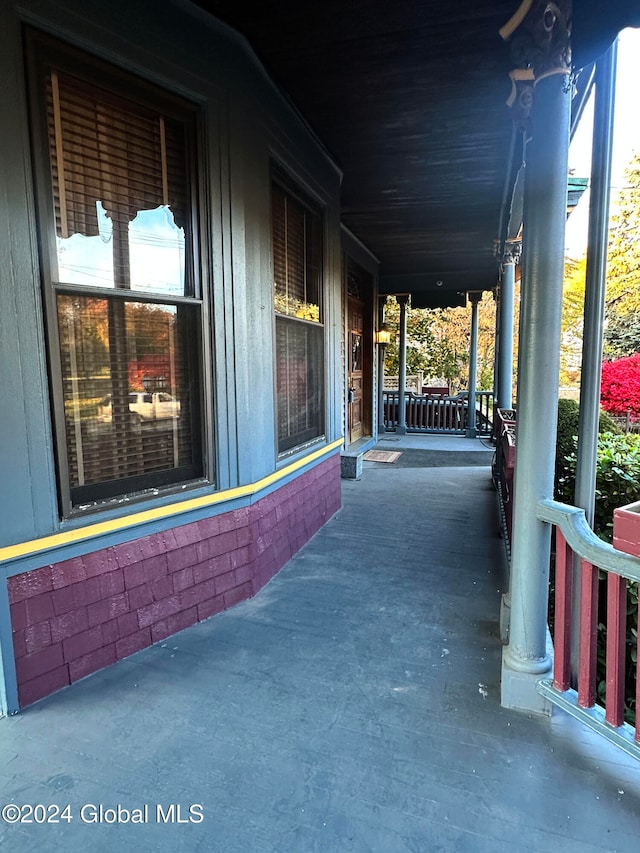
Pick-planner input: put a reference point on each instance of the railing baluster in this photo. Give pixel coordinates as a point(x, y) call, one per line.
point(562, 615)
point(638, 679)
point(437, 412)
point(616, 636)
point(621, 563)
point(588, 634)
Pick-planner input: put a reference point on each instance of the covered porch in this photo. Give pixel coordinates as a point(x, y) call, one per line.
point(352, 704)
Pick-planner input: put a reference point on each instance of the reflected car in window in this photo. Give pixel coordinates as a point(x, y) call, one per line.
point(148, 406)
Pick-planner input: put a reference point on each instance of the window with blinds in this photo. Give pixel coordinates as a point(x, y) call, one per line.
point(297, 267)
point(124, 317)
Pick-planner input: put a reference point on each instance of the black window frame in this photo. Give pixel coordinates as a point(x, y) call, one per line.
point(303, 323)
point(44, 53)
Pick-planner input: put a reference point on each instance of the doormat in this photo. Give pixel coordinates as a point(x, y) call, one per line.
point(382, 455)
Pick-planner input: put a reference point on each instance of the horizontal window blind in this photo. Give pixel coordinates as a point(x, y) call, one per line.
point(297, 244)
point(111, 155)
point(297, 252)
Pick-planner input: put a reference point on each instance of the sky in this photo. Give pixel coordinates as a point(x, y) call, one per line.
point(156, 254)
point(626, 137)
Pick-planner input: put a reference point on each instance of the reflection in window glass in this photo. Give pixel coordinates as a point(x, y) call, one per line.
point(127, 389)
point(156, 252)
point(299, 382)
point(120, 190)
point(88, 260)
point(356, 352)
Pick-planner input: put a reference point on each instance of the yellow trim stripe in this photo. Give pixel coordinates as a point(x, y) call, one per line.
point(68, 537)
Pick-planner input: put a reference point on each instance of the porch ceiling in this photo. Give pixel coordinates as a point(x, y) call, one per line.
point(409, 98)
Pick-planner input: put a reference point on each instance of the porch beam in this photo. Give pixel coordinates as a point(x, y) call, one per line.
point(544, 45)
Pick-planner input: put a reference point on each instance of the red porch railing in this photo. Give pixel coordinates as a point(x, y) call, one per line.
point(504, 464)
point(439, 412)
point(574, 537)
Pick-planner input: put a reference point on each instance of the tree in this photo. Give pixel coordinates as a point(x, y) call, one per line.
point(450, 355)
point(572, 321)
point(419, 338)
point(622, 332)
point(438, 342)
point(622, 301)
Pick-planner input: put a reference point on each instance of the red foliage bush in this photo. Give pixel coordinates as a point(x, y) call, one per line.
point(156, 367)
point(620, 387)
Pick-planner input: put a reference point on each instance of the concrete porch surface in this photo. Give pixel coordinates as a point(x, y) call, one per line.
point(352, 705)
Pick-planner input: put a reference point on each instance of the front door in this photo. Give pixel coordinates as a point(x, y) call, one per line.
point(356, 356)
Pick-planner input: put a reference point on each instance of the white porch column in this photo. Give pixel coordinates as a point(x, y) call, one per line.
point(382, 301)
point(401, 429)
point(543, 43)
point(594, 305)
point(472, 432)
point(504, 385)
point(594, 297)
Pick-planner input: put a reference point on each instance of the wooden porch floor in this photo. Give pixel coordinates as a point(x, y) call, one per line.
point(352, 705)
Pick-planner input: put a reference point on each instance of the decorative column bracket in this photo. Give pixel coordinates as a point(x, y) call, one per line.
point(539, 34)
point(539, 38)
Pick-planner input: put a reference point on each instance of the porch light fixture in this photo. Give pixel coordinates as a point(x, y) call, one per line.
point(383, 335)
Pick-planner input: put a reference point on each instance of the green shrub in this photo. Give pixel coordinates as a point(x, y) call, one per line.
point(607, 424)
point(617, 478)
point(568, 415)
point(565, 468)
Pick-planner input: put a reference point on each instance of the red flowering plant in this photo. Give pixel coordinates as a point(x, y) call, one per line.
point(620, 387)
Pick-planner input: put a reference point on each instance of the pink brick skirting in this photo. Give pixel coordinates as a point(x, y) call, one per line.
point(72, 618)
